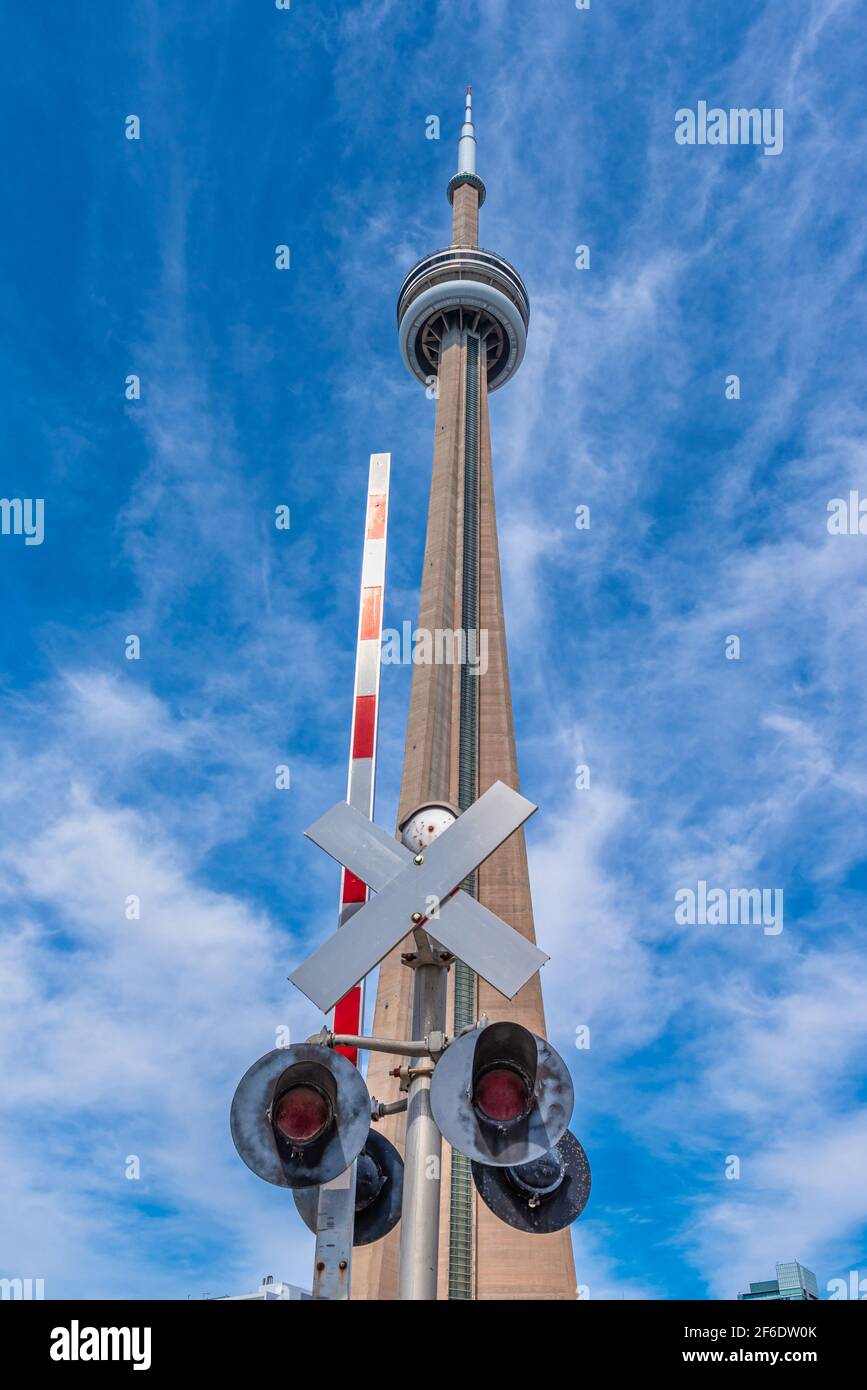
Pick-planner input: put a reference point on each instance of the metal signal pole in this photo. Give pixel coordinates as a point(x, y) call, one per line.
point(420, 1217)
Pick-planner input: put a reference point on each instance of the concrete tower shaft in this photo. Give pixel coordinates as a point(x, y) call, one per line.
point(463, 316)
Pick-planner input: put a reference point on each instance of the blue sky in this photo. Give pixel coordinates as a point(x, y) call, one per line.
point(259, 387)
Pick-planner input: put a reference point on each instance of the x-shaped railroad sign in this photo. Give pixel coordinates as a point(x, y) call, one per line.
point(404, 887)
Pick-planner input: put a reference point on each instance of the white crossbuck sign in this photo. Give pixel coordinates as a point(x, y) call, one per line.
point(410, 888)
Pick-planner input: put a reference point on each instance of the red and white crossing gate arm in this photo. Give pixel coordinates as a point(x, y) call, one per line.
point(349, 1012)
point(335, 1220)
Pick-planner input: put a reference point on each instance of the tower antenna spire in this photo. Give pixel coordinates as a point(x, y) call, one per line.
point(467, 143)
point(466, 229)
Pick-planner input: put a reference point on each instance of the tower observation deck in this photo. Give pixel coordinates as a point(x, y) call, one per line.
point(463, 315)
point(464, 288)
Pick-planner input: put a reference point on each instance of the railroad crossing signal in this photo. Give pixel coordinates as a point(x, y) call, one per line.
point(300, 1115)
point(539, 1197)
point(412, 890)
point(501, 1095)
point(378, 1192)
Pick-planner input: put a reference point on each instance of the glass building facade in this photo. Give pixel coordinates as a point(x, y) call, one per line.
point(793, 1282)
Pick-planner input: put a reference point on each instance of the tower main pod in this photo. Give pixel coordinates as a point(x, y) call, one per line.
point(463, 315)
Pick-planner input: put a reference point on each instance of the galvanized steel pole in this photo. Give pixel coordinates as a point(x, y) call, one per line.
point(420, 1213)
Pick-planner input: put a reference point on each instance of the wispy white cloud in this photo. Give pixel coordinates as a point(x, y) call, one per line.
point(126, 1036)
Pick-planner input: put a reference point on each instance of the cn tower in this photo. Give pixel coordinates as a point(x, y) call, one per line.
point(463, 315)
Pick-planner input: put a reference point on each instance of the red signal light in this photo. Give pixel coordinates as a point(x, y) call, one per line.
point(302, 1114)
point(502, 1094)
